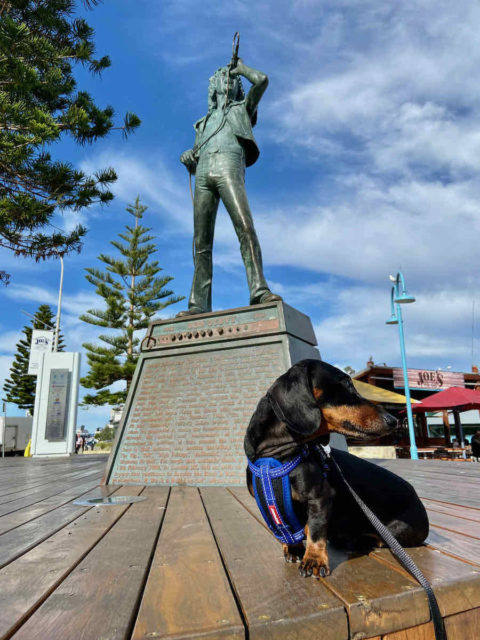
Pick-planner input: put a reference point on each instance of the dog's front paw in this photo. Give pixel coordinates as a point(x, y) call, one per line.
point(293, 552)
point(315, 563)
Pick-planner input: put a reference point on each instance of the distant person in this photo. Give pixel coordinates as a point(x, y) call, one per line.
point(78, 443)
point(475, 442)
point(84, 440)
point(455, 444)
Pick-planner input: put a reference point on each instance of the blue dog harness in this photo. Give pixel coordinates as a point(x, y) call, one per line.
point(271, 485)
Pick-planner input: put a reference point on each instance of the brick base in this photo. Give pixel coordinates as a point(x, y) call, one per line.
point(193, 395)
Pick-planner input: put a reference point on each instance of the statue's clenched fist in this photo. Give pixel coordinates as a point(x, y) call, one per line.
point(188, 159)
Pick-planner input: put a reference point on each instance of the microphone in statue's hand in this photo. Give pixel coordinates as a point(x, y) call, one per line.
point(235, 45)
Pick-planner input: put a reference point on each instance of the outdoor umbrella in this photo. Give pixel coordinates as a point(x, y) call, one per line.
point(453, 398)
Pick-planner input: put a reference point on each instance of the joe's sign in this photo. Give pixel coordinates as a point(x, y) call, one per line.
point(426, 379)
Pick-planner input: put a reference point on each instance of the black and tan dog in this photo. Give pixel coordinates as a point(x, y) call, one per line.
point(311, 400)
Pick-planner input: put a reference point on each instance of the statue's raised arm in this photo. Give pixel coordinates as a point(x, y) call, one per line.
point(259, 82)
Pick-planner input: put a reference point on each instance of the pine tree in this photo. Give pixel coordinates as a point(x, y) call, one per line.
point(40, 45)
point(133, 294)
point(20, 387)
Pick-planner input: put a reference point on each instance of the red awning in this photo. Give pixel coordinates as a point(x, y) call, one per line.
point(452, 398)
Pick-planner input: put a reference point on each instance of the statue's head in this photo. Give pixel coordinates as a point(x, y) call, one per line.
point(218, 86)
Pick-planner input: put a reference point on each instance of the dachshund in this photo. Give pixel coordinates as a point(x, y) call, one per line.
point(304, 405)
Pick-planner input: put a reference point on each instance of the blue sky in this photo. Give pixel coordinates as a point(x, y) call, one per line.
point(370, 142)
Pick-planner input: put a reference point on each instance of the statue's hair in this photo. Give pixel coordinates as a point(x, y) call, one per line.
point(212, 89)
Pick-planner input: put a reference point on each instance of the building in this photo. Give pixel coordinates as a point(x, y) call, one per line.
point(17, 432)
point(431, 429)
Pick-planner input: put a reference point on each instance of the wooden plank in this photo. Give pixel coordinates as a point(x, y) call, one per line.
point(16, 478)
point(187, 593)
point(69, 479)
point(455, 543)
point(446, 491)
point(33, 465)
point(25, 583)
point(17, 518)
point(452, 509)
point(378, 598)
point(464, 626)
point(449, 488)
point(454, 523)
point(275, 601)
point(48, 492)
point(422, 632)
point(440, 466)
point(18, 541)
point(16, 485)
point(21, 493)
point(99, 598)
point(458, 497)
point(19, 483)
point(456, 584)
point(448, 482)
point(30, 466)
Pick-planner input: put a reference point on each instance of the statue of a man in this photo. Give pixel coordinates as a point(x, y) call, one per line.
point(224, 145)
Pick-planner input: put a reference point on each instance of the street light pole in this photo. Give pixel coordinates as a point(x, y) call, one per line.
point(4, 430)
point(59, 306)
point(397, 298)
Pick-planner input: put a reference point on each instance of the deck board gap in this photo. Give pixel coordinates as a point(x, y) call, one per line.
point(84, 491)
point(235, 596)
point(460, 533)
point(141, 591)
point(452, 555)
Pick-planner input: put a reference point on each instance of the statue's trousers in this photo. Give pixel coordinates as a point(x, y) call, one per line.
point(221, 175)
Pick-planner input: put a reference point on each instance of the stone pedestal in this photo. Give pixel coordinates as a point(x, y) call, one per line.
point(197, 383)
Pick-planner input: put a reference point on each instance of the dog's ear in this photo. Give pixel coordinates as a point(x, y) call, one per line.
point(293, 401)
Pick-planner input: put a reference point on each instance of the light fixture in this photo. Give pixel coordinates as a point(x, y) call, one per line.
point(404, 298)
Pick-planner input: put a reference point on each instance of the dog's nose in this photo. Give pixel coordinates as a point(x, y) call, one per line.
point(391, 421)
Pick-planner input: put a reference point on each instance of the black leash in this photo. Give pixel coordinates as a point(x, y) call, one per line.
point(398, 551)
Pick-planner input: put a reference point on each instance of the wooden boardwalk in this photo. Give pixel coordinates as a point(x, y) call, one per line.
point(198, 563)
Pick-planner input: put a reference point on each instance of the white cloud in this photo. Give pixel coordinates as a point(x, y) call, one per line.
point(73, 303)
point(5, 364)
point(8, 341)
point(161, 187)
point(437, 329)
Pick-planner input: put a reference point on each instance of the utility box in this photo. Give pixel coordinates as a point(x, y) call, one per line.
point(55, 413)
point(18, 432)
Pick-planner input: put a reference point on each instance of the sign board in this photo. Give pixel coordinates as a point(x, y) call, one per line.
point(57, 404)
point(428, 379)
point(42, 341)
point(55, 412)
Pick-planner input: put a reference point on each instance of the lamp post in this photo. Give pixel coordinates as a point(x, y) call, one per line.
point(398, 297)
point(59, 306)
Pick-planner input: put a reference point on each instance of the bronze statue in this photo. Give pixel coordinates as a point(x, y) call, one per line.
point(224, 146)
